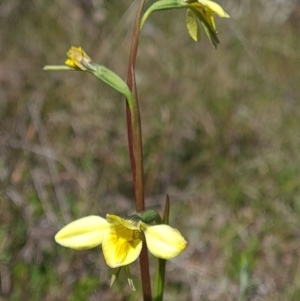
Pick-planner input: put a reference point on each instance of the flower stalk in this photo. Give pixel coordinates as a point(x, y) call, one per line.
point(136, 148)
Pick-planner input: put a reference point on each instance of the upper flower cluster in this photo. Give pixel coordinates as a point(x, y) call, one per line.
point(203, 11)
point(198, 12)
point(121, 239)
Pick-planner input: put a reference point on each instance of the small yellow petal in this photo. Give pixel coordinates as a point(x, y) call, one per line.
point(192, 25)
point(129, 224)
point(211, 21)
point(84, 233)
point(164, 241)
point(70, 63)
point(214, 7)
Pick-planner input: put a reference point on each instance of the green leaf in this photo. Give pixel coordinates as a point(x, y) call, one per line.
point(111, 79)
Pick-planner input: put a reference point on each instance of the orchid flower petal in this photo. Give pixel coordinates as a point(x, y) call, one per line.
point(213, 7)
point(163, 241)
point(129, 224)
point(84, 233)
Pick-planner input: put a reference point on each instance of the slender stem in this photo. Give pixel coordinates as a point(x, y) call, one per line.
point(136, 148)
point(161, 263)
point(130, 144)
point(160, 279)
point(134, 120)
point(137, 151)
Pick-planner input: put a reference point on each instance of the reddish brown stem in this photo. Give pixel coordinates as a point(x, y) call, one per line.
point(136, 148)
point(133, 120)
point(130, 144)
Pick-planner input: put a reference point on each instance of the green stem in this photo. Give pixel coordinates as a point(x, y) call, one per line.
point(161, 263)
point(160, 279)
point(136, 149)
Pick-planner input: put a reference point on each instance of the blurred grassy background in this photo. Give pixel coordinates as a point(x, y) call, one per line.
point(221, 136)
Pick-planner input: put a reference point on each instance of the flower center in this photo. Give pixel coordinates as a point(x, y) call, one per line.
point(136, 234)
point(125, 233)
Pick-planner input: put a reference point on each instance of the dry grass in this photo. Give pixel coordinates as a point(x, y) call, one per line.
point(221, 136)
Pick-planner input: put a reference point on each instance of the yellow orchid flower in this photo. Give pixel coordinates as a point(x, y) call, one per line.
point(198, 11)
point(121, 238)
point(76, 57)
point(204, 11)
